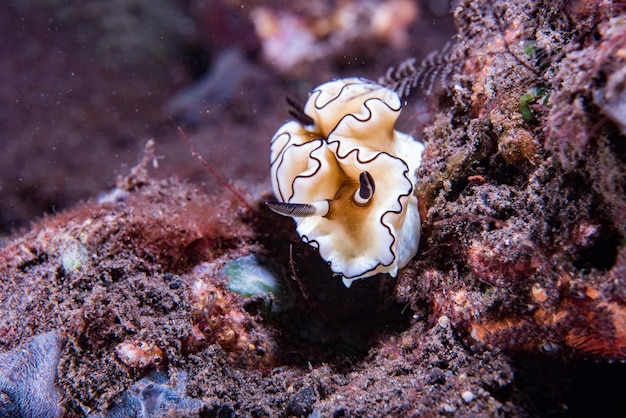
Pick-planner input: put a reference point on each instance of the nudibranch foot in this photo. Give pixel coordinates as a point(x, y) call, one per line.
point(347, 177)
point(347, 282)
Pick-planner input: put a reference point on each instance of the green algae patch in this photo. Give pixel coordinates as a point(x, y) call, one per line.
point(256, 276)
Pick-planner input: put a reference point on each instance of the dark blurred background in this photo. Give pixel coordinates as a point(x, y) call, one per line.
point(85, 84)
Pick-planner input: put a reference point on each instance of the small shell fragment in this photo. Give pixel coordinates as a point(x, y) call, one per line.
point(139, 354)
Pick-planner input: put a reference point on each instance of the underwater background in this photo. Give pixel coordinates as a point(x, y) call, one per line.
point(136, 280)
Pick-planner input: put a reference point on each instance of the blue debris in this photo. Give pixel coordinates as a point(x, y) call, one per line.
point(27, 379)
point(152, 396)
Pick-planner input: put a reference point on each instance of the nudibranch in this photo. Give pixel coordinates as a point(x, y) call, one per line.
point(346, 176)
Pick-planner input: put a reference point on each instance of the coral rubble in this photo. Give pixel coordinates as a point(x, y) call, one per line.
point(527, 258)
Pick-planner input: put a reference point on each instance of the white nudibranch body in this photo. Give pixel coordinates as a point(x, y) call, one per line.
point(347, 176)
